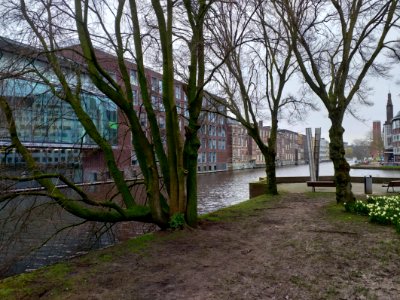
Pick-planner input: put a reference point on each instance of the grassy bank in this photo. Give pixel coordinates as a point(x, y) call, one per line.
point(267, 247)
point(59, 278)
point(375, 167)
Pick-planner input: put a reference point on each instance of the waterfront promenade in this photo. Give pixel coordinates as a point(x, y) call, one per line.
point(357, 188)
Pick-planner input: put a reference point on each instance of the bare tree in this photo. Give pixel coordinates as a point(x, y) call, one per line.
point(113, 40)
point(259, 64)
point(336, 44)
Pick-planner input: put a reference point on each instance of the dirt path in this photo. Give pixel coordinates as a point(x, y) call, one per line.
point(292, 249)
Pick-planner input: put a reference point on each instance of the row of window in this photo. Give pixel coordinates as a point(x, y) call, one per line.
point(204, 158)
point(156, 84)
point(396, 137)
point(212, 130)
point(43, 156)
point(396, 124)
point(213, 144)
point(41, 117)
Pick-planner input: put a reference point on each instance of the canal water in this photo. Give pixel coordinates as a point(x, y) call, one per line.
point(217, 190)
point(20, 242)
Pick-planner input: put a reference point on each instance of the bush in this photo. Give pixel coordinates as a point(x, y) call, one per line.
point(177, 221)
point(357, 207)
point(380, 209)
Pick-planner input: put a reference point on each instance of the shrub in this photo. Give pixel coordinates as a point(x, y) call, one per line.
point(380, 209)
point(177, 221)
point(357, 207)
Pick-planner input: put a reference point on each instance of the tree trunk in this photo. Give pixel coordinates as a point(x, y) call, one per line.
point(342, 168)
point(270, 156)
point(190, 153)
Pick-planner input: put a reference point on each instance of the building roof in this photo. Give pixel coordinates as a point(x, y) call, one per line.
point(396, 117)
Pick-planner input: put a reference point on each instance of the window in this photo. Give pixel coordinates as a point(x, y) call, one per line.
point(143, 120)
point(203, 157)
point(154, 84)
point(161, 121)
point(133, 77)
point(135, 98)
point(184, 110)
point(160, 89)
point(134, 160)
point(177, 92)
point(154, 102)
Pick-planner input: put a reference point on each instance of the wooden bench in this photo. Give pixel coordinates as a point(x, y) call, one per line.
point(326, 183)
point(392, 184)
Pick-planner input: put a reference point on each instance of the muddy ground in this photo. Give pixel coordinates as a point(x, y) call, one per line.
point(293, 247)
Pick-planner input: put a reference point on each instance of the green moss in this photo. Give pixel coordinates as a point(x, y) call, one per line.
point(105, 257)
point(338, 212)
point(12, 287)
point(312, 195)
point(140, 243)
point(32, 285)
point(368, 167)
point(242, 209)
point(58, 270)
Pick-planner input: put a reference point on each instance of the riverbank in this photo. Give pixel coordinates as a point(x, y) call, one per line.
point(375, 166)
point(294, 246)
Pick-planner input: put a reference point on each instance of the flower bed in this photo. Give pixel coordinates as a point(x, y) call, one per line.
point(380, 209)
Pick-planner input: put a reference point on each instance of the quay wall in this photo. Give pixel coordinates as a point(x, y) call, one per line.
point(258, 188)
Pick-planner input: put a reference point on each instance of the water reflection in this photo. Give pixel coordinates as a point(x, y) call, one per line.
point(217, 190)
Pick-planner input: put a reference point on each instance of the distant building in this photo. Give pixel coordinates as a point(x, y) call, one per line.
point(396, 137)
point(50, 128)
point(377, 144)
point(387, 131)
point(257, 158)
point(239, 156)
point(290, 148)
point(324, 150)
point(213, 152)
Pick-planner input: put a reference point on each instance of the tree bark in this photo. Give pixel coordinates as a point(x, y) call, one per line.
point(341, 167)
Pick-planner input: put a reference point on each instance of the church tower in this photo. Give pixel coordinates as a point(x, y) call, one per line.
point(387, 130)
point(389, 109)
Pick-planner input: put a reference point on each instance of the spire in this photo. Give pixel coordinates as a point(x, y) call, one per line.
point(389, 109)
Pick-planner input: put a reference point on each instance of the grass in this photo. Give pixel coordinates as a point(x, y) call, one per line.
point(338, 212)
point(375, 167)
point(140, 243)
point(37, 283)
point(313, 195)
point(243, 209)
point(56, 277)
point(54, 280)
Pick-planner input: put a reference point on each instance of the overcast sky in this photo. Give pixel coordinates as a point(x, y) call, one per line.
point(355, 129)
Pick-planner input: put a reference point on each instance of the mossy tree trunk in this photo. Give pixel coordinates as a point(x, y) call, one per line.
point(169, 171)
point(270, 157)
point(341, 167)
point(335, 65)
point(196, 17)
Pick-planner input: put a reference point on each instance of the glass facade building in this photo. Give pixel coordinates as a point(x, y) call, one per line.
point(43, 118)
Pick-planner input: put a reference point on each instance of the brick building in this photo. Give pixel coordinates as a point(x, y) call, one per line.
point(239, 146)
point(290, 148)
point(52, 131)
point(257, 158)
